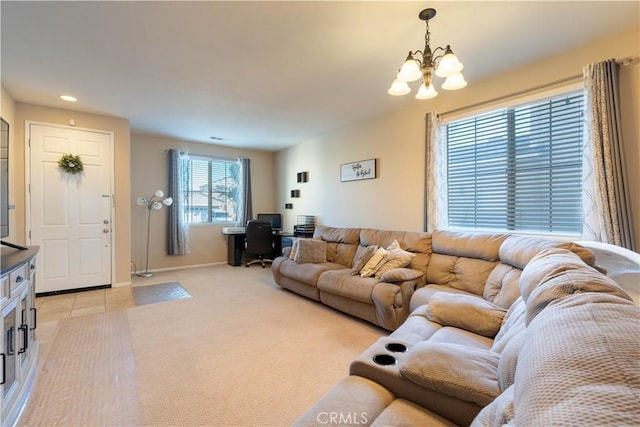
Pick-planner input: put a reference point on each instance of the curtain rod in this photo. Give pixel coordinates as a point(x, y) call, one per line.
point(573, 78)
point(210, 156)
point(630, 60)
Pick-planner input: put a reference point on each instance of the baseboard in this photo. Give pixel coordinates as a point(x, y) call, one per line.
point(72, 291)
point(184, 267)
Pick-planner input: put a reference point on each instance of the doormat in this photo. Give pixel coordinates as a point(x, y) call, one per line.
point(162, 292)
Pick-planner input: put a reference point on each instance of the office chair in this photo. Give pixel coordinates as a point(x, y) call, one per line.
point(259, 235)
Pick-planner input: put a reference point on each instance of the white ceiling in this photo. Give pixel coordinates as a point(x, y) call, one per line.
point(268, 74)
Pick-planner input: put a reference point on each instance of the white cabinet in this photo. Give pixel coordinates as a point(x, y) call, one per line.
point(18, 342)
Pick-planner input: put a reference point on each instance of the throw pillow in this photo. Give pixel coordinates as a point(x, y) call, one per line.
point(466, 312)
point(363, 255)
point(311, 251)
point(294, 250)
point(397, 258)
point(374, 262)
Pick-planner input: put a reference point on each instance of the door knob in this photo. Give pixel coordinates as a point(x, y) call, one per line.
point(105, 230)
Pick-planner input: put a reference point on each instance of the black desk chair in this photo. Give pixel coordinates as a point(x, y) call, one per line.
point(259, 241)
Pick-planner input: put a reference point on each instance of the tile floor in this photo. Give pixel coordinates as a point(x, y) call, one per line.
point(58, 307)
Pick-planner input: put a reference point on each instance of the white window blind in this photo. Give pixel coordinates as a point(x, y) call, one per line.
point(212, 189)
point(519, 168)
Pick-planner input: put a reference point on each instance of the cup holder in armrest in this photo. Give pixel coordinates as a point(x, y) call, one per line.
point(396, 347)
point(384, 359)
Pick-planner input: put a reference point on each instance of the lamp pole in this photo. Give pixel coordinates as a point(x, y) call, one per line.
point(154, 202)
point(147, 273)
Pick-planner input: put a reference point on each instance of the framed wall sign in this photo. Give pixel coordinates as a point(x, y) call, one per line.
point(355, 171)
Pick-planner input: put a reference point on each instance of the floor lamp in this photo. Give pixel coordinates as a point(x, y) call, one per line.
point(153, 203)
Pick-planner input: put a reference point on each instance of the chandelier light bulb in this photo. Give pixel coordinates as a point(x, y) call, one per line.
point(454, 82)
point(398, 88)
point(410, 70)
point(156, 206)
point(142, 201)
point(168, 201)
point(426, 92)
point(449, 65)
point(159, 193)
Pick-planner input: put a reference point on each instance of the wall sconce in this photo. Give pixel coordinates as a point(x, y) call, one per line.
point(303, 177)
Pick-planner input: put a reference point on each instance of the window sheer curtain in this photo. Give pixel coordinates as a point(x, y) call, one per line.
point(435, 175)
point(606, 205)
point(178, 229)
point(245, 205)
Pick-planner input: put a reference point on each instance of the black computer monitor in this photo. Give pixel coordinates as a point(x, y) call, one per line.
point(275, 219)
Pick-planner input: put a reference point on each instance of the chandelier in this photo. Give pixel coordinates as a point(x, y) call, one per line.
point(413, 68)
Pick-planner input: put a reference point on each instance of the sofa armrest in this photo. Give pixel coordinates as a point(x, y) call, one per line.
point(467, 312)
point(466, 373)
point(401, 275)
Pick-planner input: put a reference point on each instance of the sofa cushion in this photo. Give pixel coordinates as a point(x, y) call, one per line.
point(556, 273)
point(512, 324)
point(519, 250)
point(468, 245)
point(358, 400)
point(363, 254)
point(547, 262)
point(498, 413)
point(403, 413)
point(342, 243)
point(568, 283)
point(463, 372)
point(467, 274)
point(342, 283)
point(502, 286)
point(310, 251)
point(467, 312)
point(579, 364)
point(306, 273)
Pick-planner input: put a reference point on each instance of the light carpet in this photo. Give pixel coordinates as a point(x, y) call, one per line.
point(240, 352)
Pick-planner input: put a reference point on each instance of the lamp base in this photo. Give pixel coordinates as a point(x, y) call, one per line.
point(145, 274)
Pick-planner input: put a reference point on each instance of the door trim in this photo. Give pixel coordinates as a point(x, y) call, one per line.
point(27, 180)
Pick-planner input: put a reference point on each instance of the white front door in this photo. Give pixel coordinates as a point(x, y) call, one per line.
point(70, 214)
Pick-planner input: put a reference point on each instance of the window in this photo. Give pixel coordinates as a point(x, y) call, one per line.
point(212, 188)
point(518, 169)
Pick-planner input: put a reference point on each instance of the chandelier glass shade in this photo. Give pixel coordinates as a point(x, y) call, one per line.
point(422, 64)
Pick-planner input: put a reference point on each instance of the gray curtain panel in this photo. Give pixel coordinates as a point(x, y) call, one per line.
point(609, 172)
point(178, 234)
point(246, 207)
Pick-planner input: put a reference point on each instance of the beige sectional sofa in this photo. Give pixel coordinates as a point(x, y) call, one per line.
point(486, 265)
point(487, 329)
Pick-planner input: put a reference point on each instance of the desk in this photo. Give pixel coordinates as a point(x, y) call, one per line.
point(236, 241)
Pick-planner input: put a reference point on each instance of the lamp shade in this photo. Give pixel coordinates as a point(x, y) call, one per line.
point(426, 92)
point(168, 201)
point(410, 71)
point(454, 82)
point(398, 88)
point(449, 65)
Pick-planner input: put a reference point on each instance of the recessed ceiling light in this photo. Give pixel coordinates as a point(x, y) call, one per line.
point(68, 98)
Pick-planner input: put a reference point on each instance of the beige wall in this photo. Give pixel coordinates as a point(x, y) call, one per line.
point(120, 129)
point(395, 200)
point(149, 172)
